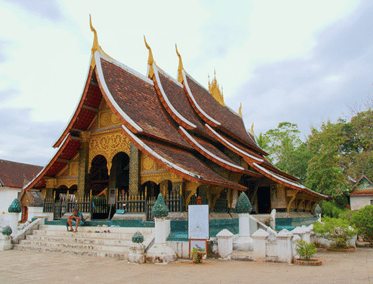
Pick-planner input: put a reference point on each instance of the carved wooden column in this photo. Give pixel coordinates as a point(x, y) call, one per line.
point(134, 178)
point(83, 163)
point(50, 184)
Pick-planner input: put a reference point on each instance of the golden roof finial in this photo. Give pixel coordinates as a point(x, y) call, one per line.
point(252, 128)
point(95, 46)
point(215, 91)
point(150, 60)
point(240, 109)
point(180, 77)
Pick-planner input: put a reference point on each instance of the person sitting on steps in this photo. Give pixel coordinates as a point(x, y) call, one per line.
point(75, 219)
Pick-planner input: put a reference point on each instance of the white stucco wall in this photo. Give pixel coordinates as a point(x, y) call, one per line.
point(357, 202)
point(7, 195)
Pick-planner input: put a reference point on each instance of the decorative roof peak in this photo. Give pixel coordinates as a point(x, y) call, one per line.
point(240, 109)
point(215, 90)
point(252, 128)
point(150, 60)
point(180, 77)
point(95, 45)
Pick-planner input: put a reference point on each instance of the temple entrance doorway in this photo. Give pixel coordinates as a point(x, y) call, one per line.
point(98, 184)
point(264, 200)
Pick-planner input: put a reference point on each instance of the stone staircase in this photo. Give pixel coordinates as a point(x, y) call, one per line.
point(50, 238)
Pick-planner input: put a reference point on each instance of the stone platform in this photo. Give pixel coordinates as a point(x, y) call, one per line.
point(84, 242)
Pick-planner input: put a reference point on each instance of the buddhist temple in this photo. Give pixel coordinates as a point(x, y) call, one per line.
point(134, 136)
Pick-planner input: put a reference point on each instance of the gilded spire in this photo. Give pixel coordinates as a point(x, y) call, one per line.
point(240, 109)
point(95, 46)
point(150, 60)
point(180, 77)
point(215, 90)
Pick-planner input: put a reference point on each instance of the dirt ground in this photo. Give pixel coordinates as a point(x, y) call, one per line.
point(35, 267)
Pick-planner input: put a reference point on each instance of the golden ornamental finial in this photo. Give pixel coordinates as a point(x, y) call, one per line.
point(240, 109)
point(180, 77)
point(95, 46)
point(150, 60)
point(252, 128)
point(215, 91)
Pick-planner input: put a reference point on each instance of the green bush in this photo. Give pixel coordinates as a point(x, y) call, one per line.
point(363, 220)
point(331, 209)
point(305, 250)
point(337, 230)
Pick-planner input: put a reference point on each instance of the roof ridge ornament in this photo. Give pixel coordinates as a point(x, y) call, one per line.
point(240, 110)
point(180, 76)
point(150, 60)
point(252, 128)
point(95, 45)
point(215, 90)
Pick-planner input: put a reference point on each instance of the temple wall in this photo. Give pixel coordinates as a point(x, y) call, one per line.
point(278, 196)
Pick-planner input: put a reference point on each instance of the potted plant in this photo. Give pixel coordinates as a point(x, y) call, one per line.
point(306, 251)
point(197, 254)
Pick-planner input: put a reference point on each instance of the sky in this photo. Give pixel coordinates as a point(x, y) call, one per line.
point(304, 62)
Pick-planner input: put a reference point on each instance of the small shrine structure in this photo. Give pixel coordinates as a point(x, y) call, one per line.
point(362, 193)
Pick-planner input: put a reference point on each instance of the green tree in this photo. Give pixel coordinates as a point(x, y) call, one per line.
point(286, 150)
point(324, 173)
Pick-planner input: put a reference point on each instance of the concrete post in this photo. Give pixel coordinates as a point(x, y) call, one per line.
point(272, 222)
point(299, 231)
point(260, 250)
point(284, 246)
point(225, 243)
point(14, 223)
point(294, 243)
point(244, 224)
point(162, 230)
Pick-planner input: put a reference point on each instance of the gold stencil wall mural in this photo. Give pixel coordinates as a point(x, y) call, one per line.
point(108, 144)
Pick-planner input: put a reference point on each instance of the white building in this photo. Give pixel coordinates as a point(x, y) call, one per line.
point(361, 194)
point(13, 176)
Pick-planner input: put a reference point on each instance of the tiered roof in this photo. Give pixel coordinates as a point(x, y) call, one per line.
point(177, 123)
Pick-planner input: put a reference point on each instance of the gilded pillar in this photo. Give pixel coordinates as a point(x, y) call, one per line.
point(134, 178)
point(83, 163)
point(50, 185)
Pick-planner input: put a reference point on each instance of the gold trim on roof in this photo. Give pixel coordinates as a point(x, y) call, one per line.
point(252, 128)
point(95, 45)
point(240, 109)
point(180, 77)
point(150, 60)
point(215, 90)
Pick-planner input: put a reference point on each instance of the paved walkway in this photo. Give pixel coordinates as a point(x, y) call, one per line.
point(35, 267)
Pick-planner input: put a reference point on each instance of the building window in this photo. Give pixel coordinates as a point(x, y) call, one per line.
point(371, 202)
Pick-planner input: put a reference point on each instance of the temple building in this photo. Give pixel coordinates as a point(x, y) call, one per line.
point(134, 136)
point(361, 193)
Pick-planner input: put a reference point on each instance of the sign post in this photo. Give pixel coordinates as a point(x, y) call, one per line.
point(198, 226)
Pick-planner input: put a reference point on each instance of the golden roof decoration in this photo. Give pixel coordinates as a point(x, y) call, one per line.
point(252, 128)
point(180, 77)
point(150, 60)
point(240, 109)
point(215, 90)
point(95, 45)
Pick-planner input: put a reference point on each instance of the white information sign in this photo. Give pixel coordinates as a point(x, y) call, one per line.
point(198, 222)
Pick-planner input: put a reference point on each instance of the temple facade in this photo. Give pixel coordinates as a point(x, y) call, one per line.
point(134, 136)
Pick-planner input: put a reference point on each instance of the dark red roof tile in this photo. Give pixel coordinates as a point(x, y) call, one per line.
point(231, 123)
point(13, 174)
point(138, 99)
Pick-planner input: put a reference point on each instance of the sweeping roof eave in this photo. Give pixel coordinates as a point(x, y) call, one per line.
point(77, 109)
point(215, 115)
point(68, 141)
point(286, 182)
point(152, 149)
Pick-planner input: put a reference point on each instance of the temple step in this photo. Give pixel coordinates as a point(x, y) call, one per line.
point(85, 242)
